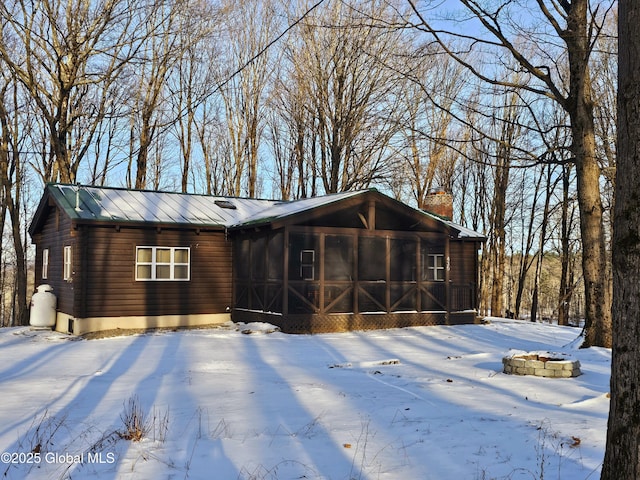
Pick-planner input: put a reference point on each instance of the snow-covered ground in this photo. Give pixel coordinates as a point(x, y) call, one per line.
point(415, 403)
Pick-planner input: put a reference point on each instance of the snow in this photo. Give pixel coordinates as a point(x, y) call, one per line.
point(249, 402)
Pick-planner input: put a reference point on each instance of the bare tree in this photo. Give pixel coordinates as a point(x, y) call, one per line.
point(567, 251)
point(250, 26)
point(622, 456)
point(13, 131)
point(577, 26)
point(291, 128)
point(67, 55)
point(157, 54)
point(210, 135)
point(349, 88)
point(427, 126)
point(192, 81)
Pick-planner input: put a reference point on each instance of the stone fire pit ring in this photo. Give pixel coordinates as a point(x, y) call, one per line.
point(541, 364)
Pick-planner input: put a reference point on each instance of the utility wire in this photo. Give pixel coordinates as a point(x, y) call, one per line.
point(240, 69)
point(269, 45)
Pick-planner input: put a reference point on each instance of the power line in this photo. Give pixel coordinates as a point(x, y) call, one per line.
point(243, 67)
point(268, 45)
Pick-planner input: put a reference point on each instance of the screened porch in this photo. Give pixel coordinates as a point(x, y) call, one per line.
point(324, 271)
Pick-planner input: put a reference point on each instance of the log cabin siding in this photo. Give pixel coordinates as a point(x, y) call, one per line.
point(57, 232)
point(111, 287)
point(371, 261)
point(463, 263)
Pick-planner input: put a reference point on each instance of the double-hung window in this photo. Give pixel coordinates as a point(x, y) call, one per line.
point(162, 263)
point(45, 264)
point(307, 264)
point(66, 270)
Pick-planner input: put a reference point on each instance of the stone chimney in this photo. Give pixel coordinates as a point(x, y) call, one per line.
point(439, 203)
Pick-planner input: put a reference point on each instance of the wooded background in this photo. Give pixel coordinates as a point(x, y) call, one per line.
point(509, 106)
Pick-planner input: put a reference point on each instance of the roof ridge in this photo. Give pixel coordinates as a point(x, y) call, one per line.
point(166, 192)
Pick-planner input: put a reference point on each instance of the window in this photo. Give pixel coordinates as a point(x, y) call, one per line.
point(66, 270)
point(307, 262)
point(434, 267)
point(45, 263)
point(302, 256)
point(162, 263)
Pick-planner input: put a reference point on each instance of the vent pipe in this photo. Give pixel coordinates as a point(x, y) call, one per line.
point(78, 209)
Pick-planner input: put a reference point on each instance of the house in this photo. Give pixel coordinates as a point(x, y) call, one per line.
point(119, 258)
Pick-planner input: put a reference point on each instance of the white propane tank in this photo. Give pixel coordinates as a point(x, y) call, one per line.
point(43, 307)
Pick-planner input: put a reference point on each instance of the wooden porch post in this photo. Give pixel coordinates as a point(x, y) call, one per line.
point(419, 272)
point(387, 260)
point(356, 269)
point(285, 273)
point(447, 281)
point(321, 274)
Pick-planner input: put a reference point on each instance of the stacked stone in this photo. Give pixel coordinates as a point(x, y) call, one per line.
point(541, 366)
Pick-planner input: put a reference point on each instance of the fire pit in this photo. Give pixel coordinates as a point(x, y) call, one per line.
point(541, 364)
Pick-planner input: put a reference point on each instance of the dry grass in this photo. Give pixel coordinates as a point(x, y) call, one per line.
point(123, 332)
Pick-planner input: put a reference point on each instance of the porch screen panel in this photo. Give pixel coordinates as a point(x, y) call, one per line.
point(372, 274)
point(338, 273)
point(403, 260)
point(275, 262)
point(404, 297)
point(243, 258)
point(371, 259)
point(338, 263)
point(433, 297)
point(371, 298)
point(258, 256)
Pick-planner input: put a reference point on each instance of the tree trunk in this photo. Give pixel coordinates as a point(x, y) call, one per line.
point(579, 105)
point(20, 292)
point(498, 235)
point(594, 256)
point(622, 457)
point(564, 295)
point(543, 239)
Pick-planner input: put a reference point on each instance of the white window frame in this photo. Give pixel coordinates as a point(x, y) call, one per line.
point(154, 264)
point(45, 264)
point(306, 266)
point(435, 272)
point(67, 263)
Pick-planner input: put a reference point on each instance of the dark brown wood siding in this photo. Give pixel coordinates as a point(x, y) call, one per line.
point(109, 284)
point(57, 232)
point(463, 257)
point(463, 275)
